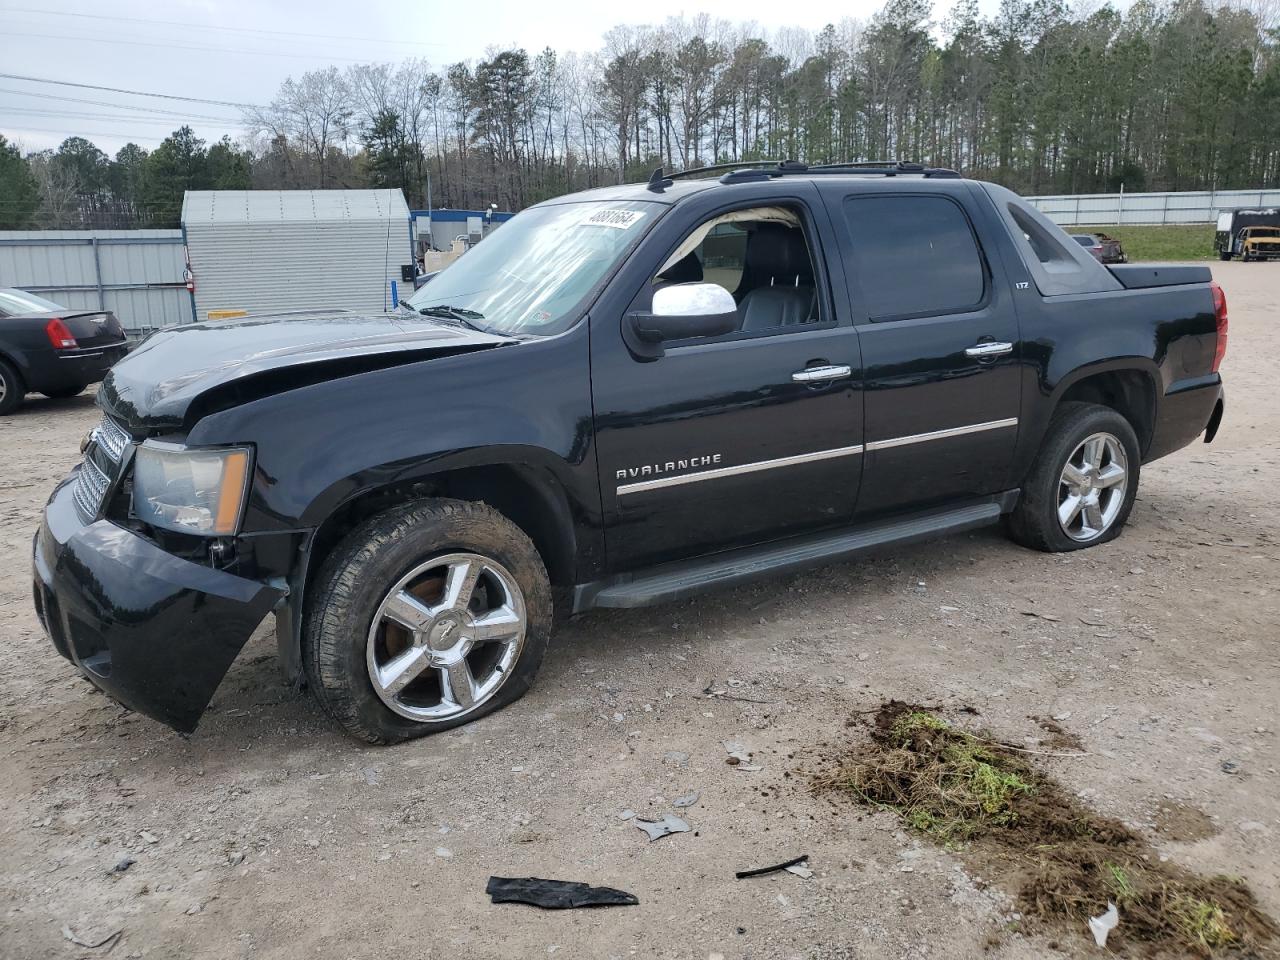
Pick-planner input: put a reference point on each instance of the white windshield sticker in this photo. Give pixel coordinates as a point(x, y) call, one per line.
point(617, 219)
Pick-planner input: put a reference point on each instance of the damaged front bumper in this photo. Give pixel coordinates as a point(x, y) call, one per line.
point(154, 631)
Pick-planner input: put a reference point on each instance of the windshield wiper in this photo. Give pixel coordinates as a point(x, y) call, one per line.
point(465, 317)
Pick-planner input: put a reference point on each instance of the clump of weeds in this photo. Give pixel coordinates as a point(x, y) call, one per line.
point(987, 802)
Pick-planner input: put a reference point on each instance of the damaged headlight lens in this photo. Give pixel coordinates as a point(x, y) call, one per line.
point(200, 491)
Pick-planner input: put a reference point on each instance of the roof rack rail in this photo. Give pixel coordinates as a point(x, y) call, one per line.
point(881, 168)
point(659, 180)
point(754, 170)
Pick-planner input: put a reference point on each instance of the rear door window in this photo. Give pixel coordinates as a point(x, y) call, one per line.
point(914, 256)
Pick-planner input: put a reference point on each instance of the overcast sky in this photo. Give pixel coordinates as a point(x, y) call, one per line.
point(241, 50)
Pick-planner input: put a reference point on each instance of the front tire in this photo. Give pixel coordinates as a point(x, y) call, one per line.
point(424, 618)
point(1224, 255)
point(12, 389)
point(1083, 483)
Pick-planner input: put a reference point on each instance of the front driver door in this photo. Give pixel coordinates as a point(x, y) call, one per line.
point(719, 443)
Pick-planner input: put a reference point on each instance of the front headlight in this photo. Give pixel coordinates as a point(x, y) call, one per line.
point(200, 491)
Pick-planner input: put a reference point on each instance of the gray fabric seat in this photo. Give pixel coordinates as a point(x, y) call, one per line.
point(778, 278)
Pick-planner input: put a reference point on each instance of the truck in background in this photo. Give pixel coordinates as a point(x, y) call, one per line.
point(1229, 239)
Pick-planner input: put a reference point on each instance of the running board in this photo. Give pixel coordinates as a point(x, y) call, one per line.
point(674, 580)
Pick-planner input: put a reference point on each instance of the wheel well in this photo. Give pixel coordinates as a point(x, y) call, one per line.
point(12, 364)
point(513, 491)
point(1131, 393)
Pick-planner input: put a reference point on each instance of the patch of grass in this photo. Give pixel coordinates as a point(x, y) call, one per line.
point(1201, 921)
point(945, 782)
point(1160, 242)
point(979, 777)
point(975, 796)
point(913, 722)
point(1118, 883)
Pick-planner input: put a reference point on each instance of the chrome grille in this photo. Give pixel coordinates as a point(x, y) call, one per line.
point(112, 438)
point(90, 489)
point(102, 460)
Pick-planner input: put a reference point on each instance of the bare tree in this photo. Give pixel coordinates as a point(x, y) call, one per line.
point(315, 111)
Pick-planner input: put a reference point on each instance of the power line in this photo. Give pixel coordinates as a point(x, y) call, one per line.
point(88, 115)
point(135, 93)
point(84, 133)
point(109, 103)
point(209, 26)
point(186, 46)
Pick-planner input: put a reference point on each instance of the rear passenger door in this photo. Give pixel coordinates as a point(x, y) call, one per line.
point(940, 345)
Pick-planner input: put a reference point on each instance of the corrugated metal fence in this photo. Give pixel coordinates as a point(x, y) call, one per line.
point(1105, 209)
point(136, 274)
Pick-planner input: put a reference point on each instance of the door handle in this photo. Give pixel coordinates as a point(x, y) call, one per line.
point(829, 371)
point(990, 348)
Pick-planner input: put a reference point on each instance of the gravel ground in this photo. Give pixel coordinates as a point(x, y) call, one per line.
point(268, 834)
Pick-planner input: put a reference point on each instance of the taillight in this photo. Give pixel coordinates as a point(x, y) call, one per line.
point(1220, 315)
point(59, 335)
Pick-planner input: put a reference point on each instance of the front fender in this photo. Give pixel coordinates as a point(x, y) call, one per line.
point(322, 446)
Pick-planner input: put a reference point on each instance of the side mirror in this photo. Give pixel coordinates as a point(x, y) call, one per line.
point(680, 312)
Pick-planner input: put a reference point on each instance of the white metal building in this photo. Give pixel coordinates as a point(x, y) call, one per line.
point(262, 251)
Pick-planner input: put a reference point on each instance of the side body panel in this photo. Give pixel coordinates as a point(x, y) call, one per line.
point(1167, 334)
point(740, 452)
point(940, 425)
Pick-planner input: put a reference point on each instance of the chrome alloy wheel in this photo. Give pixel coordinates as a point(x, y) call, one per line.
point(1092, 487)
point(444, 639)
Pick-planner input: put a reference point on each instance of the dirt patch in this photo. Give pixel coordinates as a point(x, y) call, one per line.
point(989, 804)
point(1059, 737)
point(1183, 822)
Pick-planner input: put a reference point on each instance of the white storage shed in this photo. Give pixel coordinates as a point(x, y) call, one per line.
point(264, 251)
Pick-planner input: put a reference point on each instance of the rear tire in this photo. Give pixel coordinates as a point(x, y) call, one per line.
point(65, 393)
point(1082, 485)
point(1224, 256)
point(12, 389)
point(475, 642)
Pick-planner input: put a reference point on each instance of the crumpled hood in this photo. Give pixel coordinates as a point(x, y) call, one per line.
point(155, 386)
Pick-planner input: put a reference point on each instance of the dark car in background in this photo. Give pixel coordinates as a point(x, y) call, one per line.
point(50, 349)
point(1101, 247)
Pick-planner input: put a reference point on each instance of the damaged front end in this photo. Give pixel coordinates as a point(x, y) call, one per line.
point(156, 561)
point(154, 631)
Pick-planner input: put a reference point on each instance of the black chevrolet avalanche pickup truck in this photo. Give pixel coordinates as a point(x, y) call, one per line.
point(621, 397)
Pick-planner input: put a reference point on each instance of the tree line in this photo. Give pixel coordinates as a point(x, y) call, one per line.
point(1177, 95)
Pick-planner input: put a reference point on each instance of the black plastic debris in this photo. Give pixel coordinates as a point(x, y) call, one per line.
point(555, 894)
point(760, 871)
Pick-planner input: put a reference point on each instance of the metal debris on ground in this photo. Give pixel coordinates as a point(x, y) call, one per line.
point(657, 829)
point(688, 800)
point(1043, 616)
point(776, 868)
point(555, 894)
point(739, 757)
point(123, 864)
point(801, 871)
point(1103, 924)
point(75, 938)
